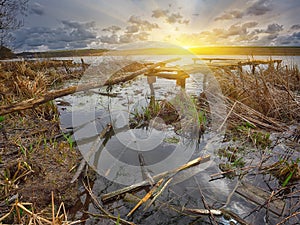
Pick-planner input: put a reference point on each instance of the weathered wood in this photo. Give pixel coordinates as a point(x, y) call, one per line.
point(237, 63)
point(51, 95)
point(113, 195)
point(171, 76)
point(261, 197)
point(212, 59)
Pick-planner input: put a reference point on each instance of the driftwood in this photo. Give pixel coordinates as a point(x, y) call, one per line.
point(51, 95)
point(112, 195)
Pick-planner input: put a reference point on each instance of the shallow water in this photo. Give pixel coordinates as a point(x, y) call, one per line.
point(115, 155)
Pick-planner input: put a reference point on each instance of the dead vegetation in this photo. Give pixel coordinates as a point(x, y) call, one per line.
point(268, 96)
point(32, 150)
point(36, 161)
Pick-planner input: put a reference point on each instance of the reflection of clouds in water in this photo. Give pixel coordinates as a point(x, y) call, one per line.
point(119, 147)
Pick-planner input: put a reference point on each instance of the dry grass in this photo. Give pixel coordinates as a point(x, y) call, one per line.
point(33, 161)
point(23, 213)
point(267, 98)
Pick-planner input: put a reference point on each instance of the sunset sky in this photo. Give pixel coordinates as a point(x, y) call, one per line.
point(73, 24)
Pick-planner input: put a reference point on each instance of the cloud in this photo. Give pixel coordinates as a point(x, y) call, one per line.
point(169, 17)
point(255, 8)
point(233, 14)
point(259, 7)
point(174, 17)
point(69, 35)
point(112, 39)
point(37, 9)
point(124, 38)
point(136, 30)
point(132, 29)
point(113, 29)
point(274, 28)
point(160, 13)
point(234, 35)
point(295, 27)
point(142, 24)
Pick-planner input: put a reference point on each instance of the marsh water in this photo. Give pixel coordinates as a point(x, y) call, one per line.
point(112, 140)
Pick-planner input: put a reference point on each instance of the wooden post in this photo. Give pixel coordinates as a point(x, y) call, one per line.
point(253, 68)
point(83, 64)
point(181, 83)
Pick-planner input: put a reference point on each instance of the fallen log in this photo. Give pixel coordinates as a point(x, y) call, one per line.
point(112, 195)
point(51, 95)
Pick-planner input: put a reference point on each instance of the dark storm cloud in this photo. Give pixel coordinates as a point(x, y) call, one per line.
point(259, 7)
point(233, 14)
point(69, 35)
point(37, 9)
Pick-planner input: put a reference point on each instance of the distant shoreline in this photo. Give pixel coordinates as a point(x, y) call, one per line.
point(226, 50)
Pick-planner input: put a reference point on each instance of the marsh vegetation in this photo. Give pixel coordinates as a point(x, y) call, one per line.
point(38, 159)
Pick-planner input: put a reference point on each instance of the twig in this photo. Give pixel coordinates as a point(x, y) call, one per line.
point(289, 217)
point(215, 212)
point(146, 197)
point(52, 201)
point(106, 213)
point(32, 214)
point(181, 210)
point(231, 194)
point(211, 218)
point(158, 193)
point(229, 113)
point(79, 170)
point(114, 194)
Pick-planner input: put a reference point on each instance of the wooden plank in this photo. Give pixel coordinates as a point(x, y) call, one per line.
point(261, 197)
point(213, 59)
point(172, 76)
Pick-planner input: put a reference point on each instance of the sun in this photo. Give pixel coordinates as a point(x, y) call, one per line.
point(187, 47)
